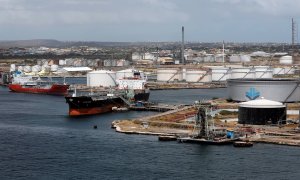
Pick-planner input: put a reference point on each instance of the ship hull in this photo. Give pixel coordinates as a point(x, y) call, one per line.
point(86, 105)
point(55, 89)
point(142, 96)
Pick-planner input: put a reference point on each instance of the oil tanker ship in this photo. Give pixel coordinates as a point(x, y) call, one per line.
point(27, 84)
point(128, 91)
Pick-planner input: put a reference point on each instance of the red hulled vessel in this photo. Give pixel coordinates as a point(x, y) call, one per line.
point(27, 84)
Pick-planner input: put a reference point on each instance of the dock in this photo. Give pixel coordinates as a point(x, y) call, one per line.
point(157, 108)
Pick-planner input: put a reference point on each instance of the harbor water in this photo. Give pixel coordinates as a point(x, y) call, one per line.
point(38, 140)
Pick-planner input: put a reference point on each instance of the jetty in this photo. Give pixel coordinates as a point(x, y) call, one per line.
point(179, 123)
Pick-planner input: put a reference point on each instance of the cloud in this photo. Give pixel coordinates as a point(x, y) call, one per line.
point(266, 7)
point(74, 12)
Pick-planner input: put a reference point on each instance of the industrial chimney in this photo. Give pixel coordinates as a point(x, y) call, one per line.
point(182, 46)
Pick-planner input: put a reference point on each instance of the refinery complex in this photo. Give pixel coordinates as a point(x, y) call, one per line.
point(261, 80)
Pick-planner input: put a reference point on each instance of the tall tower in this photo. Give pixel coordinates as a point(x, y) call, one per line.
point(294, 31)
point(182, 46)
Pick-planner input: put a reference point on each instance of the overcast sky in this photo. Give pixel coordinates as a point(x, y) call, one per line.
point(149, 20)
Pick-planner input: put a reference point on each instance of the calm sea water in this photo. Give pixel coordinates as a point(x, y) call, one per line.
point(39, 141)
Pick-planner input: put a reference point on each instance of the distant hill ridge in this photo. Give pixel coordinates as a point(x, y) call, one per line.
point(56, 43)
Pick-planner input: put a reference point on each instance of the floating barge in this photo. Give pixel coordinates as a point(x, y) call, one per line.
point(242, 144)
point(206, 141)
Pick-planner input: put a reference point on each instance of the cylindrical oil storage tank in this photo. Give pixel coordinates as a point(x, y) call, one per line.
point(126, 73)
point(278, 70)
point(193, 75)
point(77, 63)
point(262, 112)
point(21, 68)
point(12, 67)
point(199, 59)
point(61, 62)
point(286, 60)
point(289, 70)
point(169, 75)
point(101, 78)
point(220, 73)
point(282, 90)
point(120, 62)
point(44, 62)
point(91, 62)
point(245, 58)
point(126, 63)
point(46, 68)
point(69, 62)
point(234, 59)
point(36, 68)
point(107, 63)
point(84, 62)
point(54, 68)
point(237, 73)
point(219, 58)
point(113, 62)
point(27, 69)
point(209, 58)
point(263, 72)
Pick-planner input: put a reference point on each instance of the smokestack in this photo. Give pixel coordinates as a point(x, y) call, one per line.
point(293, 32)
point(182, 46)
point(223, 54)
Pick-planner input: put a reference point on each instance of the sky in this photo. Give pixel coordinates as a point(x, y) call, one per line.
point(149, 20)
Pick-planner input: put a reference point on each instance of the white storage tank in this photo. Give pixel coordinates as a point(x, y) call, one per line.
point(69, 62)
point(54, 68)
point(136, 56)
point(107, 63)
point(263, 72)
point(245, 58)
point(289, 70)
point(120, 62)
point(84, 63)
point(36, 68)
point(46, 68)
point(44, 62)
point(278, 70)
point(219, 58)
point(193, 75)
point(61, 62)
point(27, 69)
point(237, 73)
point(77, 63)
point(12, 67)
point(126, 63)
point(286, 60)
point(169, 75)
point(220, 73)
point(234, 58)
point(101, 78)
point(91, 62)
point(113, 62)
point(209, 58)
